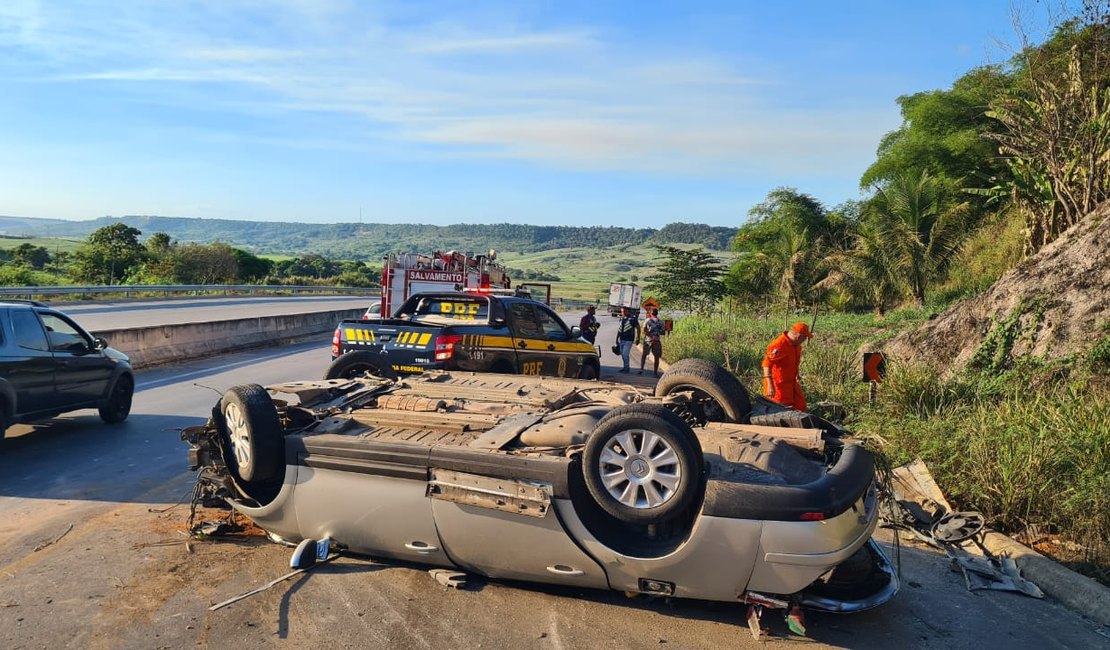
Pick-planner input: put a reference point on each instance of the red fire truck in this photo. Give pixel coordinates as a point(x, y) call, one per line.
point(404, 274)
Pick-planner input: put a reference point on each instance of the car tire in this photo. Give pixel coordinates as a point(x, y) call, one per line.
point(117, 406)
point(723, 396)
point(252, 434)
point(588, 372)
point(643, 465)
point(356, 364)
point(5, 420)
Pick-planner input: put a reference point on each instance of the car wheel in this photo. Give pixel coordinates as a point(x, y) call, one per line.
point(642, 464)
point(588, 371)
point(118, 405)
point(252, 433)
point(359, 363)
point(722, 396)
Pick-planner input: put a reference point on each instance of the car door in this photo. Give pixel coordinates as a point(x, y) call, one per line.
point(81, 371)
point(564, 352)
point(529, 340)
point(28, 365)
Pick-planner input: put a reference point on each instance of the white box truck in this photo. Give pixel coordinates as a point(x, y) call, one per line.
point(624, 295)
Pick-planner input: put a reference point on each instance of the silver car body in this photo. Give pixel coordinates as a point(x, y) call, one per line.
point(480, 472)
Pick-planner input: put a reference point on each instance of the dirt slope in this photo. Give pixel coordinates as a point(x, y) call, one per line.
point(1046, 306)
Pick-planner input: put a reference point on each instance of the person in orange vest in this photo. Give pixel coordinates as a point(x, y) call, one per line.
point(780, 367)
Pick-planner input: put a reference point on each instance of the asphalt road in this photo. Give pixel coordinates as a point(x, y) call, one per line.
point(92, 555)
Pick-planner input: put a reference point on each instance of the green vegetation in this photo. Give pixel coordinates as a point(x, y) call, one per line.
point(688, 280)
point(1028, 444)
point(115, 255)
point(947, 213)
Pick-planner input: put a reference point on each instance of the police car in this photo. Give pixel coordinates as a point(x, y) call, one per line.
point(470, 331)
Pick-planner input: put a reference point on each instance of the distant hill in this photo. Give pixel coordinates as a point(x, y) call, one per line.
point(370, 241)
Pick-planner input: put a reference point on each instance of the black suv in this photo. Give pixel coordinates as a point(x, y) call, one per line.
point(49, 365)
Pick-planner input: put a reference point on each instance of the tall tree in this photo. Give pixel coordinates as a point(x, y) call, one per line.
point(869, 270)
point(36, 257)
point(687, 279)
point(108, 254)
point(251, 267)
point(158, 243)
point(1055, 127)
point(782, 243)
point(923, 235)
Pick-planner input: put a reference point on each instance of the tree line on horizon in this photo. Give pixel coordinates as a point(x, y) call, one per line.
point(372, 241)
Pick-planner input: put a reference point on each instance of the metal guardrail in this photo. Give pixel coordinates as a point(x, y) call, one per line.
point(127, 290)
point(167, 289)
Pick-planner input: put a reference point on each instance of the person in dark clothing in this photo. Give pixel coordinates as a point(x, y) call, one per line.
point(628, 334)
point(589, 324)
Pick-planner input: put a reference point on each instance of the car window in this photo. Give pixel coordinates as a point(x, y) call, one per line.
point(461, 308)
point(524, 320)
point(28, 330)
point(63, 335)
point(553, 328)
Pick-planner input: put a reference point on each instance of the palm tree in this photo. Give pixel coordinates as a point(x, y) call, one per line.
point(868, 269)
point(921, 234)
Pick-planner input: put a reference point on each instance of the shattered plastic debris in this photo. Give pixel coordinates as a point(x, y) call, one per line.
point(922, 506)
point(448, 578)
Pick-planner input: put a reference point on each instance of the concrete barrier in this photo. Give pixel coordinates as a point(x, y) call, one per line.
point(149, 346)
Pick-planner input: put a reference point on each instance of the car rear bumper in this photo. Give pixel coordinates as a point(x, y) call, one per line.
point(885, 590)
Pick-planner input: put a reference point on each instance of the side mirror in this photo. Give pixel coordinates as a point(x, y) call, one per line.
point(498, 322)
point(309, 552)
point(575, 331)
point(99, 343)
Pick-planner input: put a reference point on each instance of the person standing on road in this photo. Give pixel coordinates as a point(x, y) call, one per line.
point(653, 332)
point(628, 334)
point(780, 367)
point(589, 324)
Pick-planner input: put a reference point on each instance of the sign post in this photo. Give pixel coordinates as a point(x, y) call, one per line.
point(874, 368)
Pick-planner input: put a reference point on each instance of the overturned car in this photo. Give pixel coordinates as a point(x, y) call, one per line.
point(572, 482)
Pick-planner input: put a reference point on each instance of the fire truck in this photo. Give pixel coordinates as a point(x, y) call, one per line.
point(404, 274)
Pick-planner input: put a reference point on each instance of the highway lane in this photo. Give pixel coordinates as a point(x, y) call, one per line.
point(102, 315)
point(113, 570)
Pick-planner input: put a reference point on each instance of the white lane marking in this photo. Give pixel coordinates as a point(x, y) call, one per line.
point(173, 379)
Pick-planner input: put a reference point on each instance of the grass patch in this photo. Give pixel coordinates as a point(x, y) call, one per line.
point(1022, 440)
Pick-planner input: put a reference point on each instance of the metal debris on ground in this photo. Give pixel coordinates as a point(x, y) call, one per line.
point(920, 508)
point(215, 529)
point(331, 554)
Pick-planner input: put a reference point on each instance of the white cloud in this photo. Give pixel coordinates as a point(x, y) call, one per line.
point(502, 44)
point(573, 98)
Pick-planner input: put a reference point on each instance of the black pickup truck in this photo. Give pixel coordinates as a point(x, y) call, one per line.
point(464, 331)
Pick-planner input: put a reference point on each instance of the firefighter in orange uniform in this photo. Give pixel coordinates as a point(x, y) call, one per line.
point(780, 367)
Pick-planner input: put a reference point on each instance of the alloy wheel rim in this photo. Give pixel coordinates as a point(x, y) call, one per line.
point(640, 469)
point(238, 434)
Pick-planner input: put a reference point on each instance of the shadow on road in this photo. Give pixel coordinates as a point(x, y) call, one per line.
point(80, 457)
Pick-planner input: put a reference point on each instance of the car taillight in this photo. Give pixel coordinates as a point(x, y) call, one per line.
point(445, 346)
point(812, 516)
point(335, 343)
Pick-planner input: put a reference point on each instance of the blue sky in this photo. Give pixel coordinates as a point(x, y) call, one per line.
point(632, 113)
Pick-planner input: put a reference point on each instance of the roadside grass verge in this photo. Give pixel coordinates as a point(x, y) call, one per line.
point(1028, 447)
